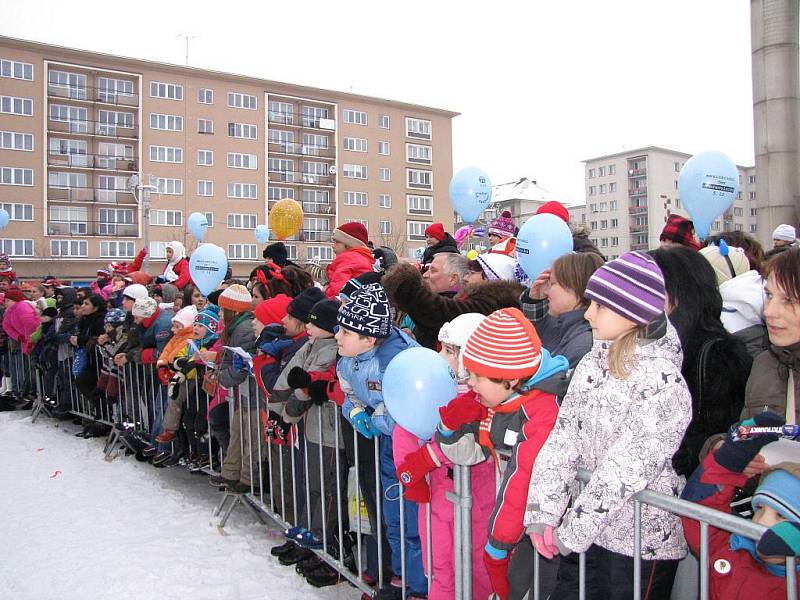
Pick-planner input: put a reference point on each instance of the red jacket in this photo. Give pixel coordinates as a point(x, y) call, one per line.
point(181, 269)
point(350, 263)
point(733, 574)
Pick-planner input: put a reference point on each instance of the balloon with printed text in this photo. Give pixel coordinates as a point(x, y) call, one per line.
point(197, 224)
point(470, 193)
point(707, 184)
point(540, 241)
point(286, 218)
point(208, 266)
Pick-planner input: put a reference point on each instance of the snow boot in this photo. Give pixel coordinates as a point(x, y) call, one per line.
point(324, 576)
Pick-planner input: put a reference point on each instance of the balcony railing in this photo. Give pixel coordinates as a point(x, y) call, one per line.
point(637, 172)
point(302, 149)
point(92, 161)
point(642, 246)
point(290, 118)
point(92, 228)
point(92, 94)
point(637, 210)
point(310, 235)
point(638, 228)
point(86, 194)
point(635, 192)
point(318, 208)
point(92, 128)
point(296, 177)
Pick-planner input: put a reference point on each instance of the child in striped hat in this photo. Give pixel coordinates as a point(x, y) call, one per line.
point(622, 418)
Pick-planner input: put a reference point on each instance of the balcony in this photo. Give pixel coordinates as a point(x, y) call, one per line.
point(301, 149)
point(316, 208)
point(92, 161)
point(92, 94)
point(637, 210)
point(92, 228)
point(637, 192)
point(633, 173)
point(296, 177)
point(639, 246)
point(92, 128)
point(296, 120)
point(86, 194)
point(310, 235)
point(638, 228)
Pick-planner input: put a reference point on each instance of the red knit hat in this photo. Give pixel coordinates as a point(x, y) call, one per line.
point(504, 346)
point(435, 230)
point(554, 208)
point(272, 310)
point(15, 294)
point(351, 235)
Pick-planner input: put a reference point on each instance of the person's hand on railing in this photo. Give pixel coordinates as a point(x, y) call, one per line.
point(240, 364)
point(545, 542)
point(102, 339)
point(175, 383)
point(318, 392)
point(362, 422)
point(298, 378)
point(462, 410)
point(120, 360)
point(742, 456)
point(412, 471)
point(277, 430)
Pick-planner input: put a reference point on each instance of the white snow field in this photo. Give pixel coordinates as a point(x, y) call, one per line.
point(73, 526)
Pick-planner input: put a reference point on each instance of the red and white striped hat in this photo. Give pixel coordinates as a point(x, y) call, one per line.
point(504, 346)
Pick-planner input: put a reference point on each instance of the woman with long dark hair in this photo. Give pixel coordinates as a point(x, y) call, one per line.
point(92, 313)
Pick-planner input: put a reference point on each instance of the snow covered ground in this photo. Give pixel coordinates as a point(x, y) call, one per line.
point(73, 526)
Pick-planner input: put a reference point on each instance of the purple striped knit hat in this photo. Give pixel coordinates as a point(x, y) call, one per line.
point(632, 286)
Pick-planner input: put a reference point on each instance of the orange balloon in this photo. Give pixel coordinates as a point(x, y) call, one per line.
point(286, 218)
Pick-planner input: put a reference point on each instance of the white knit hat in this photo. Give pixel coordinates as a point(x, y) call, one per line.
point(497, 266)
point(144, 308)
point(784, 232)
point(135, 291)
point(185, 316)
point(457, 332)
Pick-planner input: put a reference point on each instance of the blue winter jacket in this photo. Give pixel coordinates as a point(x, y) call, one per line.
point(361, 376)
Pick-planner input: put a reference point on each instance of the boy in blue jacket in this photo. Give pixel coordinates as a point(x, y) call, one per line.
point(367, 342)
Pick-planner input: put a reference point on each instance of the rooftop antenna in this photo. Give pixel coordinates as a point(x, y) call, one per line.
point(186, 38)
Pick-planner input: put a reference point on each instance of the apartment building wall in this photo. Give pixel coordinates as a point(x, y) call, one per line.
point(73, 212)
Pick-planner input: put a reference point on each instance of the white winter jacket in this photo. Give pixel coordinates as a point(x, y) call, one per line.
point(742, 301)
point(625, 432)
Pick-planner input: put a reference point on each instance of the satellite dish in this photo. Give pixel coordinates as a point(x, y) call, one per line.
point(332, 170)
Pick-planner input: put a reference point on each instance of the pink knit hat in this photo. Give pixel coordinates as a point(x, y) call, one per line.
point(503, 225)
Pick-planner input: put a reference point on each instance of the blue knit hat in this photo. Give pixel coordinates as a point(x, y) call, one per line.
point(781, 491)
point(368, 312)
point(209, 318)
point(116, 316)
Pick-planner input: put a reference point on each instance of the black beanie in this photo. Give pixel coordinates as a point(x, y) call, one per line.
point(356, 283)
point(213, 297)
point(53, 313)
point(277, 252)
point(323, 314)
point(301, 305)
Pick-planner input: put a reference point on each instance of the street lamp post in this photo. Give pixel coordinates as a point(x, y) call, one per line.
point(134, 186)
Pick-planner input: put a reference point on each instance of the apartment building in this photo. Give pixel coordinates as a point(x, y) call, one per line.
point(629, 196)
point(75, 126)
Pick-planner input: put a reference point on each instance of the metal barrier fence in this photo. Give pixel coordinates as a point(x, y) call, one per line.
point(299, 483)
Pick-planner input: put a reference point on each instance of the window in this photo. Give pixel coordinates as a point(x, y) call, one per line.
point(612, 205)
point(592, 190)
point(205, 157)
point(385, 174)
point(419, 205)
point(166, 122)
point(237, 100)
point(205, 96)
point(16, 70)
point(12, 105)
point(169, 154)
point(110, 120)
point(205, 126)
point(74, 115)
point(355, 198)
point(313, 171)
point(604, 242)
point(316, 229)
point(676, 166)
point(279, 193)
point(11, 140)
point(386, 227)
point(612, 169)
point(738, 227)
point(738, 194)
point(170, 91)
point(354, 171)
point(593, 208)
point(593, 225)
point(281, 165)
point(243, 190)
point(592, 173)
point(158, 249)
point(604, 207)
point(242, 221)
point(18, 212)
point(614, 223)
point(205, 188)
point(677, 202)
point(117, 221)
point(67, 220)
point(313, 114)
point(416, 230)
point(715, 226)
point(76, 149)
point(66, 180)
point(383, 121)
point(284, 138)
point(281, 112)
point(210, 219)
point(109, 89)
point(385, 201)
point(242, 130)
point(74, 83)
point(612, 187)
point(753, 227)
point(117, 249)
point(242, 161)
point(316, 201)
point(356, 117)
point(16, 176)
point(752, 195)
point(753, 212)
point(418, 128)
point(168, 218)
point(355, 144)
point(751, 179)
point(313, 142)
point(601, 172)
point(364, 222)
point(417, 178)
point(69, 248)
point(242, 251)
point(738, 212)
point(14, 247)
point(604, 224)
point(417, 153)
point(320, 253)
point(166, 185)
point(603, 188)
point(383, 148)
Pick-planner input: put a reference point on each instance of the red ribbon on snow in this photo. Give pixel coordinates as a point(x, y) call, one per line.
point(55, 474)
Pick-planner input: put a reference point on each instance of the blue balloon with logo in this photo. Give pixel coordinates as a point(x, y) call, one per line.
point(707, 184)
point(470, 193)
point(416, 384)
point(197, 224)
point(4, 218)
point(540, 241)
point(208, 266)
point(262, 234)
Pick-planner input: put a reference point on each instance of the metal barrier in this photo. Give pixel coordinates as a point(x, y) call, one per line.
point(302, 484)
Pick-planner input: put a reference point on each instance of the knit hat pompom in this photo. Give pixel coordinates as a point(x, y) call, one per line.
point(504, 346)
point(368, 312)
point(144, 308)
point(503, 225)
point(235, 298)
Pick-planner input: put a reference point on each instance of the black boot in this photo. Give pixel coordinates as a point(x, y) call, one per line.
point(294, 556)
point(324, 576)
point(282, 549)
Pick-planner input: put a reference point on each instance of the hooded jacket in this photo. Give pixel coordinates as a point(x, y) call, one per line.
point(448, 244)
point(569, 334)
point(153, 334)
point(743, 310)
point(348, 264)
point(20, 321)
point(177, 270)
point(769, 380)
point(429, 311)
point(625, 431)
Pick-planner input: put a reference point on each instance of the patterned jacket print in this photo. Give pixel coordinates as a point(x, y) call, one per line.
point(625, 432)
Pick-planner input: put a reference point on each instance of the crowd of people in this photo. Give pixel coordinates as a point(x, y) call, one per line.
point(638, 369)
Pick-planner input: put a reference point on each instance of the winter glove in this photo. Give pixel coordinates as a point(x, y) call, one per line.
point(362, 422)
point(160, 279)
point(545, 543)
point(782, 539)
point(298, 378)
point(736, 455)
point(318, 392)
point(462, 410)
point(496, 562)
point(175, 383)
point(240, 364)
point(273, 340)
point(181, 364)
point(277, 429)
point(416, 466)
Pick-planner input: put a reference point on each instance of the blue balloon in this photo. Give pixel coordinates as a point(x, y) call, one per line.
point(197, 225)
point(4, 218)
point(262, 234)
point(541, 240)
point(707, 184)
point(416, 384)
point(470, 193)
point(207, 266)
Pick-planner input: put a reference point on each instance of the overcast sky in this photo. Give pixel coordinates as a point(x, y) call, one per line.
point(540, 85)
